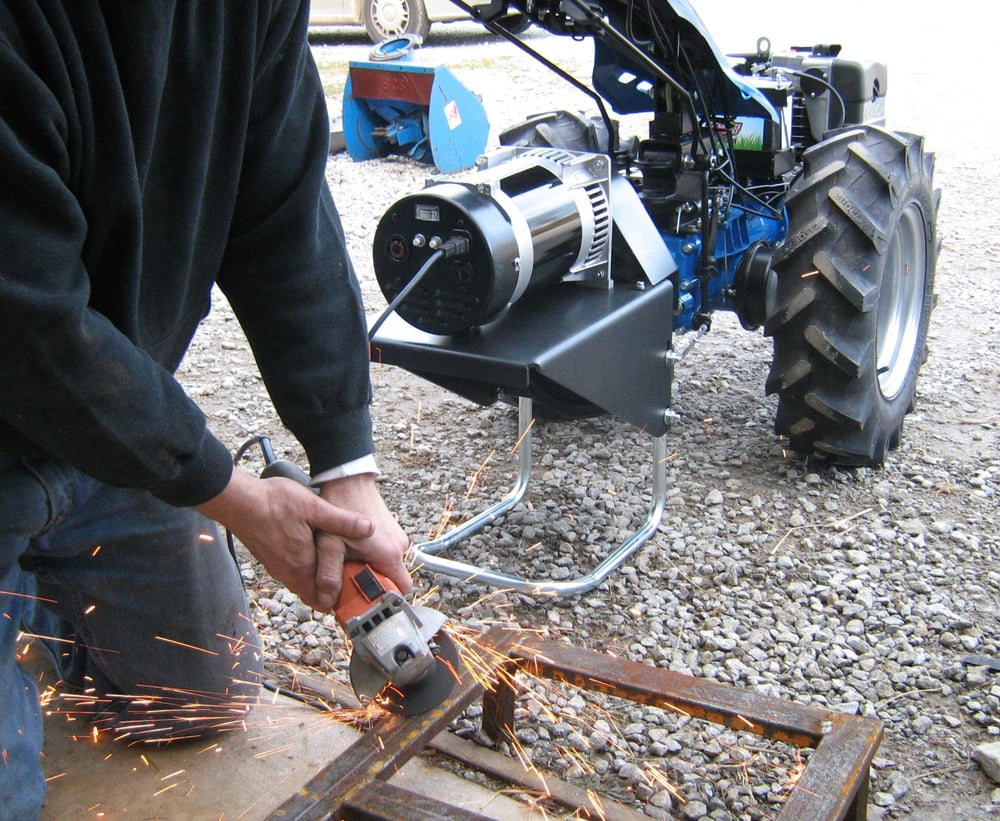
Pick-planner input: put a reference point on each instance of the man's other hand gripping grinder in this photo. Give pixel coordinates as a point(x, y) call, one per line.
point(401, 657)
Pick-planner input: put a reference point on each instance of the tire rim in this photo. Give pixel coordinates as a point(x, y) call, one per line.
point(391, 17)
point(901, 302)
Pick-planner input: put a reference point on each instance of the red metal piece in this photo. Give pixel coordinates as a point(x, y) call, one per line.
point(385, 84)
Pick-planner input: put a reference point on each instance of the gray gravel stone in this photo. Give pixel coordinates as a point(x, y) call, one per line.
point(988, 757)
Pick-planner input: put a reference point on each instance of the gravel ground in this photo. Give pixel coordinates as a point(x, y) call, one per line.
point(862, 590)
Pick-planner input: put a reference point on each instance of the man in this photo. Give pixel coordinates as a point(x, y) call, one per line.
point(148, 149)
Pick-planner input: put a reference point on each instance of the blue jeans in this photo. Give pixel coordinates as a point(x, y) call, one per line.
point(141, 604)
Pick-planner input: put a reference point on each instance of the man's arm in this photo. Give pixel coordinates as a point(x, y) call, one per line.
point(286, 271)
point(288, 276)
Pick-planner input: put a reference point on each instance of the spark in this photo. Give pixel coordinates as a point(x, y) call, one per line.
point(659, 778)
point(206, 537)
point(808, 274)
point(172, 775)
point(90, 609)
point(67, 641)
point(521, 438)
point(188, 646)
point(27, 596)
point(478, 474)
point(595, 801)
point(794, 774)
point(526, 762)
point(95, 551)
point(50, 778)
point(275, 750)
point(168, 787)
point(447, 516)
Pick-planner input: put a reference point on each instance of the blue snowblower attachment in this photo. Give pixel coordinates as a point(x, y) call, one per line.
point(394, 105)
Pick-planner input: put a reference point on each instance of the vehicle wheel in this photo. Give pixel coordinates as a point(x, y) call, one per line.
point(392, 18)
point(854, 295)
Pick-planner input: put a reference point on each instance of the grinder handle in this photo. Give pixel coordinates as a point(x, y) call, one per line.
point(361, 588)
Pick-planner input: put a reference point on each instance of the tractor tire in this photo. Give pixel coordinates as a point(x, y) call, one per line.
point(855, 290)
point(385, 19)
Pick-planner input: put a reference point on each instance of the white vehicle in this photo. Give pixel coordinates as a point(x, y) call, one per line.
point(384, 19)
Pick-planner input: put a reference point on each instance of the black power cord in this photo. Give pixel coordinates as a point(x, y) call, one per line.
point(452, 247)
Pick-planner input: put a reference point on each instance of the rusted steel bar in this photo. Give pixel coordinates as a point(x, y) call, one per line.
point(386, 802)
point(378, 754)
point(556, 791)
point(498, 707)
point(710, 700)
point(834, 783)
point(488, 761)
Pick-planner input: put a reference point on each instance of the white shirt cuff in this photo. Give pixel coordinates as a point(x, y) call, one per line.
point(356, 467)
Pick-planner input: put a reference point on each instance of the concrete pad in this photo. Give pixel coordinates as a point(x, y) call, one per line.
point(238, 775)
point(241, 774)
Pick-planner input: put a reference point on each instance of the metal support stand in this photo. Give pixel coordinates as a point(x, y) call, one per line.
point(425, 554)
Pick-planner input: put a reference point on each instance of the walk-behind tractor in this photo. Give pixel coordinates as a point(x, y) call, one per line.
point(558, 271)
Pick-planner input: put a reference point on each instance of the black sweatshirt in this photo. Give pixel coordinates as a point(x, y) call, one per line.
point(149, 148)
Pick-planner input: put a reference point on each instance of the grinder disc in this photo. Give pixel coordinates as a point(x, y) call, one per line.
point(418, 697)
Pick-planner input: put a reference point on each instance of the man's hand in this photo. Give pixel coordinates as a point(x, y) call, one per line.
point(302, 539)
point(384, 549)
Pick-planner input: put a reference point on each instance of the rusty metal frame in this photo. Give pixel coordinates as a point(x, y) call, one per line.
point(833, 786)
